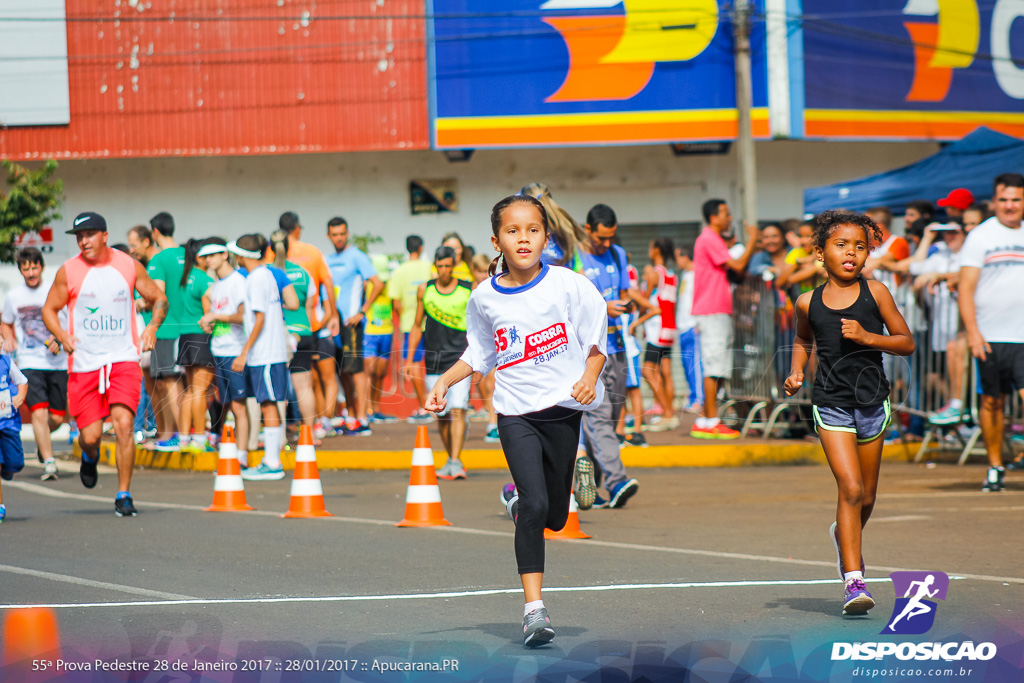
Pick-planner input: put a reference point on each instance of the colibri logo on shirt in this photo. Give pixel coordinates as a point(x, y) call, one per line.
point(99, 322)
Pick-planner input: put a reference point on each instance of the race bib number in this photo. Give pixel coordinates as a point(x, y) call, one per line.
point(6, 408)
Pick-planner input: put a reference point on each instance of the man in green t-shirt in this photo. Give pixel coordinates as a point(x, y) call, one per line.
point(402, 289)
point(166, 268)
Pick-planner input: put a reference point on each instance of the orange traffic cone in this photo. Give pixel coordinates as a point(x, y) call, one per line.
point(307, 491)
point(30, 633)
point(228, 489)
point(572, 525)
point(423, 497)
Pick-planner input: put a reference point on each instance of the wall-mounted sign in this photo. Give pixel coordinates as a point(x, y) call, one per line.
point(434, 196)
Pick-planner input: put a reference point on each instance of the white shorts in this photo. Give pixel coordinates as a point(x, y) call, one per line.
point(716, 344)
point(457, 396)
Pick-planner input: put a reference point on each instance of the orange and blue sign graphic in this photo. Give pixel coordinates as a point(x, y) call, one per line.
point(926, 69)
point(578, 72)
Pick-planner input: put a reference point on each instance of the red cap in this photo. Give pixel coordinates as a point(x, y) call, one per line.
point(960, 198)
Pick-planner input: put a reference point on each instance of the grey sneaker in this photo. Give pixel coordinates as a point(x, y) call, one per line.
point(586, 487)
point(49, 471)
point(537, 629)
point(512, 508)
point(453, 469)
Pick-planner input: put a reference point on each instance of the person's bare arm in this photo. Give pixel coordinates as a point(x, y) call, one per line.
point(56, 300)
point(417, 326)
point(802, 345)
point(376, 287)
point(289, 299)
point(157, 300)
point(10, 339)
point(238, 365)
point(967, 287)
point(739, 265)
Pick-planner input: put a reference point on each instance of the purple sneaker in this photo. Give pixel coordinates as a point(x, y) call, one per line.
point(856, 599)
point(839, 555)
point(508, 491)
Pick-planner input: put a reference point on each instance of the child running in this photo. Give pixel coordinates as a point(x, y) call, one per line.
point(544, 329)
point(12, 455)
point(846, 318)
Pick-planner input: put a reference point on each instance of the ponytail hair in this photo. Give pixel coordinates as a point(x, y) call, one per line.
point(191, 249)
point(499, 209)
point(561, 226)
point(279, 245)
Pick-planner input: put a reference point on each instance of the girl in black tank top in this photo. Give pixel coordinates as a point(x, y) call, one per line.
point(846, 318)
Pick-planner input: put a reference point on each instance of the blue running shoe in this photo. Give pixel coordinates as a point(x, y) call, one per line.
point(358, 430)
point(169, 445)
point(383, 419)
point(3, 513)
point(263, 473)
point(492, 436)
point(623, 492)
point(856, 599)
point(599, 503)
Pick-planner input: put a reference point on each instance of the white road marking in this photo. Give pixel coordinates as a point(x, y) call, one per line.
point(445, 595)
point(77, 580)
point(505, 534)
point(900, 518)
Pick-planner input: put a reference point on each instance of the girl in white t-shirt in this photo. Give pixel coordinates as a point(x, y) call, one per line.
point(224, 304)
point(544, 330)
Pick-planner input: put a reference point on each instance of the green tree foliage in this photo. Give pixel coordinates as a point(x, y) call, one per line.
point(364, 241)
point(30, 201)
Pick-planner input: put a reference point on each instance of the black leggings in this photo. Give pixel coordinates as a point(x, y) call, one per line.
point(540, 449)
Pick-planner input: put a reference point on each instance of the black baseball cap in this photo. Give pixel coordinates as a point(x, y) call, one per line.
point(88, 220)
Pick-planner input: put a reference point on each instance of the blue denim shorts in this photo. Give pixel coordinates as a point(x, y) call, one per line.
point(867, 423)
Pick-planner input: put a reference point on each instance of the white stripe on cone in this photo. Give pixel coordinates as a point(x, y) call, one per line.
point(423, 494)
point(228, 482)
point(307, 487)
point(228, 450)
point(305, 453)
point(573, 507)
point(422, 457)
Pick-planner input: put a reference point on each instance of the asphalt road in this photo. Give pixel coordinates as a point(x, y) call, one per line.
point(710, 573)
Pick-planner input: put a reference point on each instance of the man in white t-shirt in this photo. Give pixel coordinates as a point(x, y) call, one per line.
point(991, 279)
point(40, 357)
point(264, 356)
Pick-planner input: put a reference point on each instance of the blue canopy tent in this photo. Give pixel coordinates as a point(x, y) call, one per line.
point(971, 162)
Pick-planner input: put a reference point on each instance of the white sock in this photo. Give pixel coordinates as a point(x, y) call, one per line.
point(273, 437)
point(850, 576)
point(956, 404)
point(700, 423)
point(530, 606)
point(243, 458)
point(711, 422)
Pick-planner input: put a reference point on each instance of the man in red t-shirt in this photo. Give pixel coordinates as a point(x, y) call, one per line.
point(712, 310)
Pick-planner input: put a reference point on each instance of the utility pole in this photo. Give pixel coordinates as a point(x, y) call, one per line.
point(744, 139)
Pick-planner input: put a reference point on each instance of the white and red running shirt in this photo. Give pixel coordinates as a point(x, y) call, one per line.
point(538, 336)
point(101, 312)
point(660, 330)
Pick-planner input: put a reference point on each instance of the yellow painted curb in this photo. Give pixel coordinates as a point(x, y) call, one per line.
point(687, 455)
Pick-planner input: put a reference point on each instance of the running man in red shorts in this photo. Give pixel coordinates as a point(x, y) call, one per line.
point(103, 345)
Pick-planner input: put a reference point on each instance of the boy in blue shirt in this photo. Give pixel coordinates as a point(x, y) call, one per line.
point(12, 457)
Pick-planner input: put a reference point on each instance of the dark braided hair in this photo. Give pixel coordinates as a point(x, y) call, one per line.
point(827, 222)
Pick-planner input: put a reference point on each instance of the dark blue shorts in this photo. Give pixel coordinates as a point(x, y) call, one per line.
point(866, 423)
point(12, 455)
point(267, 383)
point(377, 345)
point(230, 384)
point(418, 356)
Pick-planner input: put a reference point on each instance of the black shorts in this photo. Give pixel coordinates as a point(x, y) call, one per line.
point(654, 353)
point(324, 349)
point(305, 354)
point(350, 354)
point(194, 351)
point(1002, 371)
point(47, 389)
point(163, 361)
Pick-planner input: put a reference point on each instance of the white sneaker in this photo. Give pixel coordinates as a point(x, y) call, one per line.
point(49, 470)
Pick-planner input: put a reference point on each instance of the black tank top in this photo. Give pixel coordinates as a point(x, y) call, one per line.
point(849, 375)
